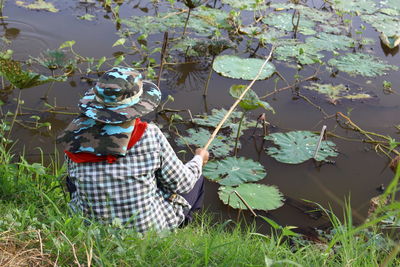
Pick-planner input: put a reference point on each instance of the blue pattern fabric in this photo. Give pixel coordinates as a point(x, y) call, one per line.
point(137, 188)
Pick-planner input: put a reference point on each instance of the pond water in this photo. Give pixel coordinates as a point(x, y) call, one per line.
point(356, 173)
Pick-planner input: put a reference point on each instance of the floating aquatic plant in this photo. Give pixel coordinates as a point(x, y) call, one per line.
point(54, 59)
point(220, 147)
point(298, 146)
point(251, 100)
point(21, 79)
point(283, 21)
point(246, 4)
point(361, 64)
point(242, 68)
point(336, 92)
point(330, 42)
point(387, 25)
point(303, 53)
point(355, 6)
point(190, 4)
point(38, 5)
point(257, 196)
point(234, 171)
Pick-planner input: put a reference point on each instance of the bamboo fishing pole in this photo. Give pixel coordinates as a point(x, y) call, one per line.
point(214, 134)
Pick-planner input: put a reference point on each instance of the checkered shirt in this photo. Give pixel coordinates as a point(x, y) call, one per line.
point(136, 190)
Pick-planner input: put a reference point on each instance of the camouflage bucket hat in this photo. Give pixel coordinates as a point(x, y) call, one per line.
point(120, 95)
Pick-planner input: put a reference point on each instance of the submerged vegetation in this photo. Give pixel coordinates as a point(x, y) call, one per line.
point(230, 38)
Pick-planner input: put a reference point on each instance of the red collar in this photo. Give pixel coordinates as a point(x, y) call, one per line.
point(82, 157)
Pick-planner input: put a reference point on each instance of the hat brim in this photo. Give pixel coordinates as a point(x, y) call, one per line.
point(146, 103)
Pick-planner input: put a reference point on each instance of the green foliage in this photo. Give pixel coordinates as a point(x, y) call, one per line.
point(234, 171)
point(38, 5)
point(257, 196)
point(383, 23)
point(330, 42)
point(303, 53)
point(220, 147)
point(246, 4)
point(361, 64)
point(283, 21)
point(250, 100)
point(336, 92)
point(216, 116)
point(21, 79)
point(355, 6)
point(55, 59)
point(299, 146)
point(242, 68)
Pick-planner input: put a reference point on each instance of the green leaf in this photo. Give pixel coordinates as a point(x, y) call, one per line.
point(330, 42)
point(246, 4)
point(216, 117)
point(257, 196)
point(303, 53)
point(242, 68)
point(283, 21)
point(250, 100)
point(336, 92)
point(361, 64)
point(355, 6)
point(234, 171)
point(119, 59)
point(120, 41)
point(88, 17)
point(67, 44)
point(220, 146)
point(38, 5)
point(386, 24)
point(100, 62)
point(299, 146)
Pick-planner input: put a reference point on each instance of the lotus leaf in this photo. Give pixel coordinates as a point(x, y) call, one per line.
point(303, 53)
point(283, 21)
point(299, 146)
point(206, 20)
point(38, 5)
point(246, 4)
point(355, 6)
point(361, 64)
point(311, 13)
point(257, 196)
point(220, 147)
point(330, 42)
point(234, 171)
point(242, 68)
point(250, 100)
point(154, 24)
point(216, 116)
point(386, 24)
point(392, 3)
point(271, 36)
point(336, 92)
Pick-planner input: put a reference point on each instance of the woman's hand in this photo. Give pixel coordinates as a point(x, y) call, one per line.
point(203, 153)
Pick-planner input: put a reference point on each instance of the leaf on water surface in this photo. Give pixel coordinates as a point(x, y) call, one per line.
point(220, 147)
point(336, 92)
point(246, 4)
point(205, 20)
point(299, 146)
point(154, 24)
point(21, 79)
point(216, 116)
point(391, 4)
point(311, 13)
point(355, 6)
point(88, 17)
point(38, 5)
point(271, 36)
point(387, 25)
point(54, 59)
point(304, 53)
point(257, 196)
point(361, 64)
point(234, 171)
point(250, 100)
point(330, 42)
point(283, 21)
point(242, 68)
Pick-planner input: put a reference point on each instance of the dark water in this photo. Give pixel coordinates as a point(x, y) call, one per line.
point(358, 170)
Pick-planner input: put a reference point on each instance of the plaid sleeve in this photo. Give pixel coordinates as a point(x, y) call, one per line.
point(175, 176)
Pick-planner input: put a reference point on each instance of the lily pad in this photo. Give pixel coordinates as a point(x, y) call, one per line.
point(330, 42)
point(246, 4)
point(283, 21)
point(242, 68)
point(205, 20)
point(303, 53)
point(154, 24)
point(355, 6)
point(299, 146)
point(38, 5)
point(234, 171)
point(387, 24)
point(336, 92)
point(361, 64)
point(257, 196)
point(250, 100)
point(220, 147)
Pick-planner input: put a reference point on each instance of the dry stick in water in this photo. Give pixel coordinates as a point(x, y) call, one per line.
point(214, 134)
point(163, 50)
point(245, 203)
point(321, 136)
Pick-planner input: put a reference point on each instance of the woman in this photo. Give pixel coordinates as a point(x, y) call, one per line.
point(123, 169)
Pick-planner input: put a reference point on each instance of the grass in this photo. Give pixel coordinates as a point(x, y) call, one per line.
point(37, 229)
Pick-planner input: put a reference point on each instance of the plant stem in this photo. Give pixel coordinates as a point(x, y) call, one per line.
point(163, 51)
point(208, 77)
point(238, 133)
point(186, 22)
